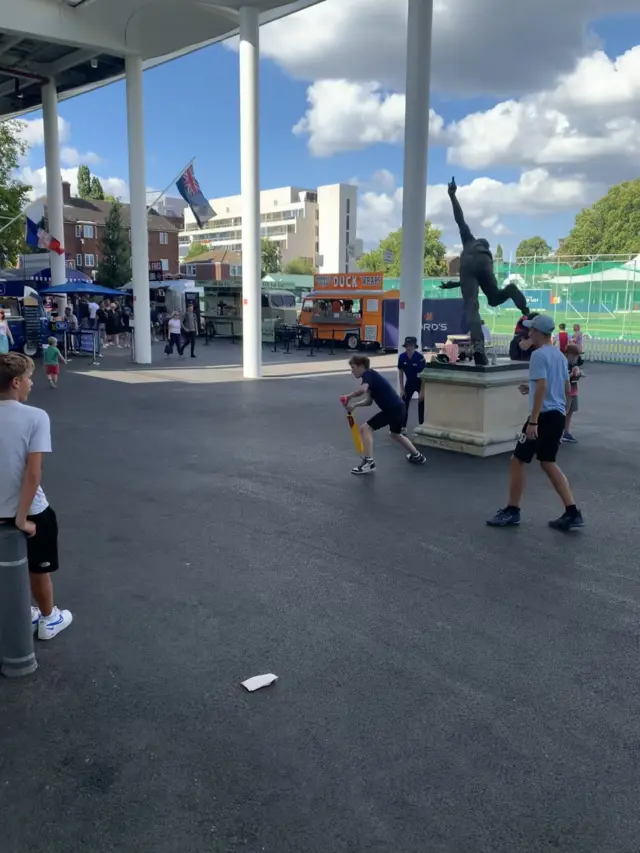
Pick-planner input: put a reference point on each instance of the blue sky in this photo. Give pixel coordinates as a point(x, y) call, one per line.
point(191, 110)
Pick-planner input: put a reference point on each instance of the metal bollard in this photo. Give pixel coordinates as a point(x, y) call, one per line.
point(16, 631)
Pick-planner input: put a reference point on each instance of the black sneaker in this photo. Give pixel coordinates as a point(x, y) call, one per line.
point(505, 518)
point(480, 359)
point(417, 459)
point(568, 521)
point(367, 466)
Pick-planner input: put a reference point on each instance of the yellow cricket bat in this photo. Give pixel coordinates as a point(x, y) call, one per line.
point(355, 432)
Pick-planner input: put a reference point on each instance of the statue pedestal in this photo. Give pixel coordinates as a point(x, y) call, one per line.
point(475, 410)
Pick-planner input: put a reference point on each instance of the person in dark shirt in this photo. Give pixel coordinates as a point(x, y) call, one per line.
point(375, 388)
point(411, 363)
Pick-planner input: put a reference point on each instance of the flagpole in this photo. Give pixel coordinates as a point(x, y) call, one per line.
point(15, 219)
point(168, 187)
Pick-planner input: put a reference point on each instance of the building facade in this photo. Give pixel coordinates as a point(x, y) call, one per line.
point(316, 225)
point(84, 221)
point(214, 266)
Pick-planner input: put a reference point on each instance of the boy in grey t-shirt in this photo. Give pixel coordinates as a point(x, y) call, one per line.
point(541, 435)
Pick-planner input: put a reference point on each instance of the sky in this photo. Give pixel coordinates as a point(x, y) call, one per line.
point(535, 108)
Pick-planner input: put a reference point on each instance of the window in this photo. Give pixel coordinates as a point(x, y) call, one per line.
point(78, 260)
point(283, 300)
point(348, 206)
point(165, 265)
point(265, 300)
point(164, 238)
point(191, 269)
point(89, 260)
point(88, 232)
point(78, 230)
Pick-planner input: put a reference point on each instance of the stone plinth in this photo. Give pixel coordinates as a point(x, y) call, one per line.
point(475, 410)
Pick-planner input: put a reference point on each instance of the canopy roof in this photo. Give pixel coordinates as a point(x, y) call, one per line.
point(82, 43)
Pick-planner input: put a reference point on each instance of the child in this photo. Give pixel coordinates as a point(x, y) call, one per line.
point(51, 358)
point(391, 414)
point(410, 364)
point(563, 337)
point(25, 434)
point(574, 362)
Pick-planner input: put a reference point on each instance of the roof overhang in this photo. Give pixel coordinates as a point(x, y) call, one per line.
point(82, 44)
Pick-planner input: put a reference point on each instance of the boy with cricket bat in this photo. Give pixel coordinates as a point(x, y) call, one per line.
point(376, 389)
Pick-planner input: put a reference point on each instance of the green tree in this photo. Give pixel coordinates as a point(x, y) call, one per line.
point(270, 253)
point(611, 226)
point(434, 251)
point(499, 253)
point(299, 266)
point(96, 189)
point(84, 182)
point(109, 197)
point(537, 246)
point(195, 250)
point(114, 268)
point(13, 193)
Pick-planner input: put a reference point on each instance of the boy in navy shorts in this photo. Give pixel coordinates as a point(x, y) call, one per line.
point(375, 388)
point(411, 363)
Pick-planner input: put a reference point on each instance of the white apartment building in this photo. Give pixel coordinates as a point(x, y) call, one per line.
point(318, 225)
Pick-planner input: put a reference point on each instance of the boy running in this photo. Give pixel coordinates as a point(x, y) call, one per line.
point(25, 434)
point(541, 435)
point(411, 363)
point(574, 362)
point(375, 388)
point(51, 358)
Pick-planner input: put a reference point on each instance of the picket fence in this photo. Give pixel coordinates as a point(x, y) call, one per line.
point(610, 350)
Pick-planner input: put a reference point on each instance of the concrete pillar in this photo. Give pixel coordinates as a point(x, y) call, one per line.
point(16, 630)
point(416, 142)
point(138, 210)
point(250, 181)
point(55, 209)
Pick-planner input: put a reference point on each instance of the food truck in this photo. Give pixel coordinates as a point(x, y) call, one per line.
point(223, 308)
point(24, 311)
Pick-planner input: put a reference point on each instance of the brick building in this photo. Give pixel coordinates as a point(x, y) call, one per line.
point(84, 226)
point(217, 265)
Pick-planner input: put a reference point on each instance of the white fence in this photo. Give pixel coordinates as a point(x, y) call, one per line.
point(611, 350)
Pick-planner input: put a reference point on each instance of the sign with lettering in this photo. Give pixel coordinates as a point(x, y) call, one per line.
point(349, 281)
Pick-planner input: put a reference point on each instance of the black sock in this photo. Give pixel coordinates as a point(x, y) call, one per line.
point(512, 508)
point(572, 510)
point(421, 412)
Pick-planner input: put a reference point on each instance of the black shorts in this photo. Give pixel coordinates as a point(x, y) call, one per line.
point(42, 549)
point(394, 419)
point(545, 447)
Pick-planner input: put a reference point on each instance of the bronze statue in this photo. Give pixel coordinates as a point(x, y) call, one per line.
point(476, 272)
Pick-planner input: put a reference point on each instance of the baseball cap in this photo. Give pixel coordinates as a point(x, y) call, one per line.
point(410, 341)
point(542, 323)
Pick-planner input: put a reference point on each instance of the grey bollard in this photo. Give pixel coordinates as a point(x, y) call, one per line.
point(16, 630)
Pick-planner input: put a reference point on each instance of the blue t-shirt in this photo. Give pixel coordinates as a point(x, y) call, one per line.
point(549, 363)
point(411, 367)
point(382, 392)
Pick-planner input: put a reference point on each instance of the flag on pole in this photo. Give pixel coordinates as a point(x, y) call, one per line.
point(35, 234)
point(189, 189)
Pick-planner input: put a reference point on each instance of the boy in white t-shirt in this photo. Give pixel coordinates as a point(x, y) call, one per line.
point(25, 434)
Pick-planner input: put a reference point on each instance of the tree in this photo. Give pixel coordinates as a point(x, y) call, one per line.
point(195, 250)
point(299, 266)
point(109, 197)
point(114, 268)
point(499, 253)
point(270, 253)
point(434, 251)
point(96, 191)
point(611, 226)
point(537, 246)
point(84, 182)
point(13, 193)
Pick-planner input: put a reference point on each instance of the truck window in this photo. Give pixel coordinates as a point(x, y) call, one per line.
point(276, 300)
point(288, 300)
point(265, 300)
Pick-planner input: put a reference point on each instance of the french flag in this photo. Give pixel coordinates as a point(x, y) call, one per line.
point(35, 234)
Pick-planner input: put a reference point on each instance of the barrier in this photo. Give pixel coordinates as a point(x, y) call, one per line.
point(16, 630)
point(607, 350)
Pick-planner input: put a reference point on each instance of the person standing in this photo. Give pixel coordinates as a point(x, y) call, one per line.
point(411, 363)
point(541, 435)
point(563, 337)
point(574, 363)
point(190, 330)
point(174, 326)
point(102, 316)
point(6, 338)
point(25, 435)
point(51, 358)
point(93, 313)
point(577, 337)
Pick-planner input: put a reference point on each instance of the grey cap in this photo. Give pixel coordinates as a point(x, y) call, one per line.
point(542, 323)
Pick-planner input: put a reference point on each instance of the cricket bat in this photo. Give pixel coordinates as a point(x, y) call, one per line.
point(355, 432)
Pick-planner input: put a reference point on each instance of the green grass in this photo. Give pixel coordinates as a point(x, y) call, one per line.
point(598, 325)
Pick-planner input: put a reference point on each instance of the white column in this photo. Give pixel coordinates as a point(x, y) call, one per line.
point(55, 210)
point(138, 210)
point(250, 181)
point(416, 142)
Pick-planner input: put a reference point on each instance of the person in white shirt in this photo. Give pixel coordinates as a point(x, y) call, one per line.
point(25, 434)
point(93, 310)
point(174, 326)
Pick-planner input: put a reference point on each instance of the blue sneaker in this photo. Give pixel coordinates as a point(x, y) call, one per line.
point(505, 518)
point(568, 521)
point(569, 439)
point(35, 618)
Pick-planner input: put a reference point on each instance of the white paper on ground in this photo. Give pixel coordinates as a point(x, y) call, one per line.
point(259, 681)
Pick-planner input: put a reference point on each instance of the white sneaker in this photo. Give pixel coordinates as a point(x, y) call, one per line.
point(35, 617)
point(49, 626)
point(367, 466)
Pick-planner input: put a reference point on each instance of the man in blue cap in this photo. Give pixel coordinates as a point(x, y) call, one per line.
point(411, 363)
point(541, 435)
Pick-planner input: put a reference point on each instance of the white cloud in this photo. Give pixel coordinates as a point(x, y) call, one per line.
point(32, 131)
point(346, 116)
point(495, 47)
point(37, 178)
point(72, 157)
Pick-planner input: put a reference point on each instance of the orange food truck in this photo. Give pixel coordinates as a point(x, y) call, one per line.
point(345, 308)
